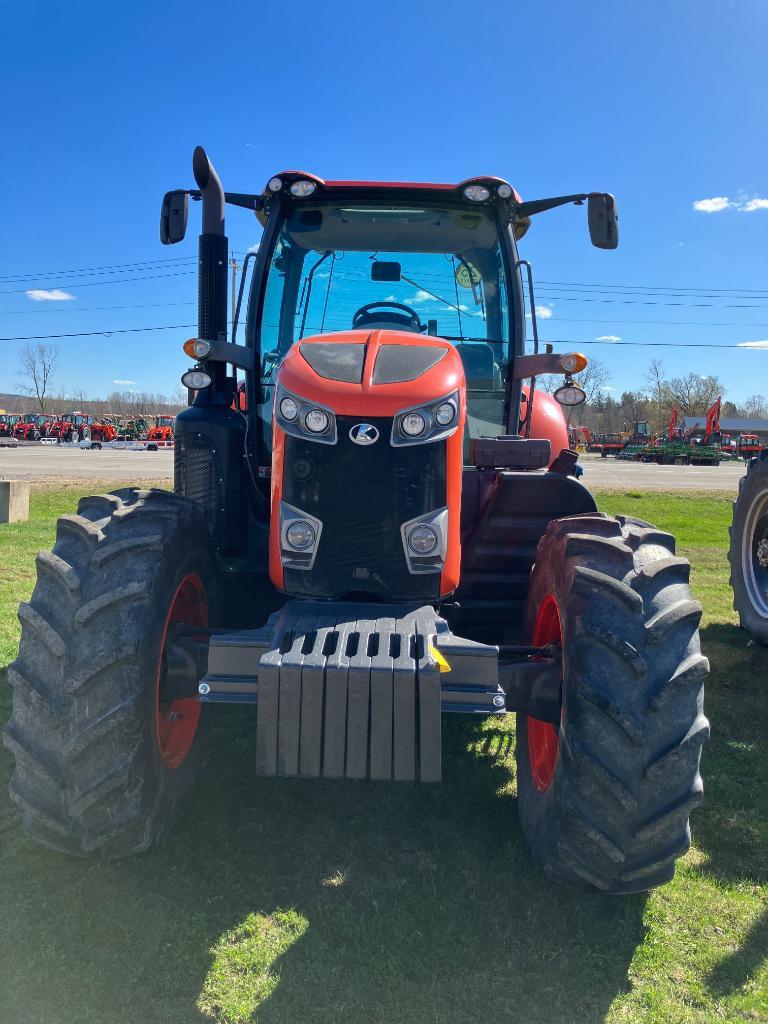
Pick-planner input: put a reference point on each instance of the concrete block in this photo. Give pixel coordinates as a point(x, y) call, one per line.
point(14, 501)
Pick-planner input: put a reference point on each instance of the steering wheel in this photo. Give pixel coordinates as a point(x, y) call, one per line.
point(407, 320)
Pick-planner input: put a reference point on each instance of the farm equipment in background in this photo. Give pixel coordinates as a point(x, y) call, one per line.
point(748, 446)
point(79, 426)
point(579, 438)
point(748, 551)
point(392, 530)
point(7, 423)
point(162, 429)
point(700, 446)
point(133, 428)
point(33, 426)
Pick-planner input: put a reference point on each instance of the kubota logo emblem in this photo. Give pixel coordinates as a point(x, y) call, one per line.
point(364, 433)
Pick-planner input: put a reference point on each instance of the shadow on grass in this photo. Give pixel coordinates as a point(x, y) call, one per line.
point(414, 903)
point(731, 826)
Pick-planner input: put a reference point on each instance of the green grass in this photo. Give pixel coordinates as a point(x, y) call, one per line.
point(300, 902)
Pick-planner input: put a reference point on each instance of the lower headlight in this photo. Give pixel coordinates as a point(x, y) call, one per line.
point(317, 421)
point(422, 540)
point(196, 379)
point(289, 408)
point(300, 535)
point(444, 413)
point(413, 424)
point(570, 395)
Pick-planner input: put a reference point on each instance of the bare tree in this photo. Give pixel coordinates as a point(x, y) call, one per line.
point(694, 393)
point(592, 379)
point(655, 379)
point(755, 407)
point(38, 363)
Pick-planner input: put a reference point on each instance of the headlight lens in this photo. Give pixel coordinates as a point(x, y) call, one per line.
point(476, 193)
point(504, 191)
point(445, 413)
point(317, 421)
point(289, 409)
point(300, 535)
point(275, 184)
point(196, 379)
point(303, 188)
point(422, 540)
point(413, 424)
point(570, 395)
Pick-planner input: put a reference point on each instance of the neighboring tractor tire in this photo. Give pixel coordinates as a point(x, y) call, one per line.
point(604, 799)
point(103, 764)
point(748, 553)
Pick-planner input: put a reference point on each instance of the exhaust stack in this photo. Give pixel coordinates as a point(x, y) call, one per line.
point(214, 250)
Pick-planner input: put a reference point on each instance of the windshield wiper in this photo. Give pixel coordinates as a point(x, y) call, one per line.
point(308, 288)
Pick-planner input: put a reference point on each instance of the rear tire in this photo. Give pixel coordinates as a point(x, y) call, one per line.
point(614, 813)
point(749, 550)
point(92, 774)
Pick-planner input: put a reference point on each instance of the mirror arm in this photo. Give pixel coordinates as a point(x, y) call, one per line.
point(540, 205)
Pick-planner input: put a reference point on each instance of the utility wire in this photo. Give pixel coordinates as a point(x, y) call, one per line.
point(108, 269)
point(93, 284)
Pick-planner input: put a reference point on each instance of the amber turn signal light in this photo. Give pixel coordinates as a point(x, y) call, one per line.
point(573, 362)
point(196, 349)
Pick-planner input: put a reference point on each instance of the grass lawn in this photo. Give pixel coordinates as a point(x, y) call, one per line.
point(299, 902)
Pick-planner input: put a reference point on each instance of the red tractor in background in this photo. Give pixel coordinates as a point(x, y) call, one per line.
point(388, 528)
point(7, 423)
point(80, 426)
point(162, 429)
point(33, 426)
point(749, 445)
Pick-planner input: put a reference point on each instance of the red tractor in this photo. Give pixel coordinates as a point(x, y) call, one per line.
point(80, 426)
point(7, 423)
point(32, 426)
point(748, 446)
point(162, 429)
point(396, 514)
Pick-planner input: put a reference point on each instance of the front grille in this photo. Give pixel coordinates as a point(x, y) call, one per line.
point(362, 494)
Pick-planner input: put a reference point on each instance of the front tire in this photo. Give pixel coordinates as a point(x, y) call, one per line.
point(604, 799)
point(748, 552)
point(103, 763)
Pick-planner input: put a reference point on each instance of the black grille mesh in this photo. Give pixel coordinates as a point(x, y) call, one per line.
point(362, 494)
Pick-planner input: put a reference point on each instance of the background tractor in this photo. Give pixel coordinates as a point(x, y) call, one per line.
point(382, 527)
point(32, 426)
point(162, 429)
point(7, 423)
point(748, 552)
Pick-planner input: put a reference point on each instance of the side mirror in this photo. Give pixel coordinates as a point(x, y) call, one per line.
point(173, 217)
point(383, 271)
point(603, 220)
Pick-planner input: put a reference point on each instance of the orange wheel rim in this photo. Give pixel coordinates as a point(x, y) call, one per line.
point(177, 720)
point(543, 737)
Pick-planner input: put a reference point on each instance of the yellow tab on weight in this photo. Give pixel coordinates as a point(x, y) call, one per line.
point(441, 662)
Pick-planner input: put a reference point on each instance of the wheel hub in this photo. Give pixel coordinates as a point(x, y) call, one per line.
point(762, 553)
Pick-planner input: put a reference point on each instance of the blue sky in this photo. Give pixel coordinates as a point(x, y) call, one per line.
point(659, 103)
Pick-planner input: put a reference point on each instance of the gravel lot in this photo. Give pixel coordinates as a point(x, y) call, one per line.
point(64, 464)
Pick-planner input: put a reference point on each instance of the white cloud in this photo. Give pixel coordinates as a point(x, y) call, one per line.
point(609, 337)
point(420, 296)
point(606, 387)
point(390, 298)
point(542, 313)
point(254, 247)
point(125, 382)
point(54, 295)
point(752, 344)
point(714, 205)
point(719, 203)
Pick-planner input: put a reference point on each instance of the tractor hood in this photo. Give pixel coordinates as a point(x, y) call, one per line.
point(372, 373)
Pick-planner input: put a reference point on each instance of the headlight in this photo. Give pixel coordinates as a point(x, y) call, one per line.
point(413, 424)
point(317, 421)
point(504, 191)
point(444, 413)
point(570, 394)
point(300, 534)
point(303, 188)
point(422, 540)
point(476, 193)
point(289, 409)
point(275, 184)
point(197, 380)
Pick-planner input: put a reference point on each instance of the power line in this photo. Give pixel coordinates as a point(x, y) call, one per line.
point(93, 334)
point(92, 309)
point(647, 302)
point(107, 269)
point(653, 288)
point(553, 341)
point(93, 284)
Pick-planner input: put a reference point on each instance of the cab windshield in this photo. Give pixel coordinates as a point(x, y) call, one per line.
point(427, 270)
